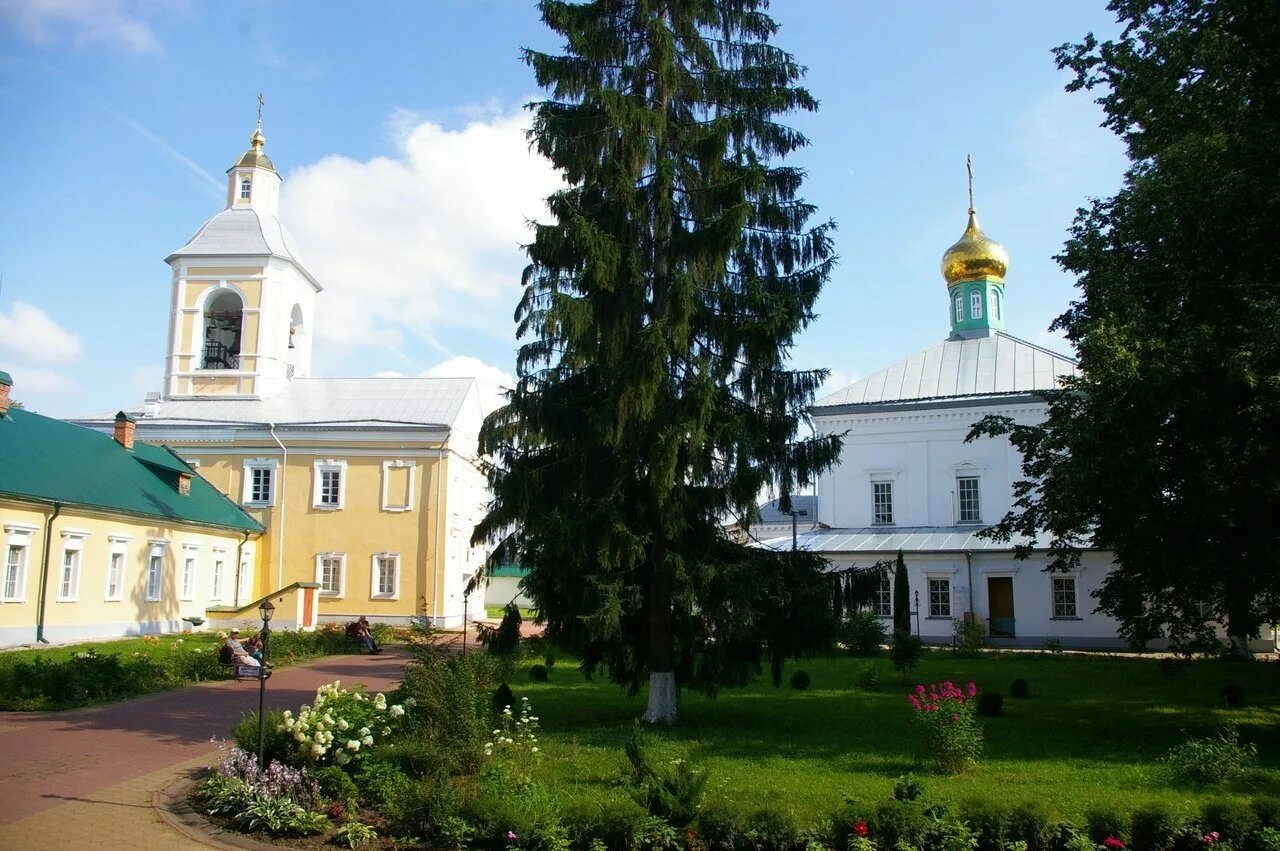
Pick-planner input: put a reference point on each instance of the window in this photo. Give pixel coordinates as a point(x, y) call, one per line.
point(939, 598)
point(967, 494)
point(975, 304)
point(993, 306)
point(223, 324)
point(882, 503)
point(15, 571)
point(246, 578)
point(386, 576)
point(155, 574)
point(959, 307)
point(397, 485)
point(115, 572)
point(1064, 597)
point(329, 573)
point(219, 575)
point(188, 591)
point(69, 571)
point(245, 187)
point(329, 484)
point(259, 482)
point(882, 603)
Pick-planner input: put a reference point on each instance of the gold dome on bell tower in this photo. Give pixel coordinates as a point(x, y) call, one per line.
point(975, 255)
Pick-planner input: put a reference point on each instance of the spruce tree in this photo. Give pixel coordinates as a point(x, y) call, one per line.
point(653, 399)
point(901, 596)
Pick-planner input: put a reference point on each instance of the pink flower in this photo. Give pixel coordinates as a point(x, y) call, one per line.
point(973, 689)
point(860, 828)
point(511, 836)
point(1112, 842)
point(1211, 837)
point(919, 689)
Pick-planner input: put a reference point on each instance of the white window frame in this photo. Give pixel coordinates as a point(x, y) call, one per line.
point(993, 303)
point(1053, 597)
point(72, 542)
point(156, 550)
point(118, 546)
point(963, 476)
point(387, 467)
point(875, 502)
point(250, 465)
point(19, 536)
point(319, 468)
point(246, 577)
point(246, 189)
point(341, 590)
point(218, 573)
point(929, 601)
point(374, 576)
point(882, 602)
point(190, 559)
point(975, 304)
point(959, 306)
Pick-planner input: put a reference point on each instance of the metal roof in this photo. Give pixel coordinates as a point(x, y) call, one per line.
point(771, 513)
point(879, 539)
point(240, 232)
point(340, 402)
point(998, 364)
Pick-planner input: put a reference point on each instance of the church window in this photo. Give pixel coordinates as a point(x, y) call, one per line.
point(329, 484)
point(882, 503)
point(959, 307)
point(882, 602)
point(939, 597)
point(223, 323)
point(975, 304)
point(245, 187)
point(967, 493)
point(330, 573)
point(993, 308)
point(1064, 597)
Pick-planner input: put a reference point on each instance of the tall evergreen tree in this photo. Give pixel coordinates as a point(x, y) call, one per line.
point(661, 301)
point(901, 596)
point(1167, 449)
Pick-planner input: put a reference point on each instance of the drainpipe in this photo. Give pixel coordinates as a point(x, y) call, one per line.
point(44, 574)
point(284, 466)
point(968, 562)
point(235, 593)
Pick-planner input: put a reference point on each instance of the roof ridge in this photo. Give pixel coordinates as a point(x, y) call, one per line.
point(1039, 347)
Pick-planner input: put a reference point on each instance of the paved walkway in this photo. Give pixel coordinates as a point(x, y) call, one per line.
point(83, 778)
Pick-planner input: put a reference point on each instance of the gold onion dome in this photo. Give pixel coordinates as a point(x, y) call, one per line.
point(255, 158)
point(975, 255)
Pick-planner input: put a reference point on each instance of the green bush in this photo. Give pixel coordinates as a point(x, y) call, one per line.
point(1235, 820)
point(503, 697)
point(538, 673)
point(1035, 823)
point(907, 788)
point(1052, 645)
point(1232, 695)
point(336, 785)
point(893, 822)
point(1266, 839)
point(1153, 827)
point(427, 806)
point(1020, 689)
point(722, 823)
point(1268, 811)
point(863, 633)
point(354, 834)
point(1221, 758)
point(990, 702)
point(277, 744)
point(989, 819)
point(453, 713)
point(772, 828)
point(969, 636)
point(1105, 821)
point(613, 820)
point(380, 781)
point(800, 680)
point(905, 651)
point(867, 677)
point(672, 791)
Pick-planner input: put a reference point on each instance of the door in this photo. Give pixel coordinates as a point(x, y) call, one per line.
point(1000, 605)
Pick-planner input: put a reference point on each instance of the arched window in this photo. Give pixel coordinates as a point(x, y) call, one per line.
point(993, 307)
point(959, 307)
point(223, 322)
point(975, 304)
point(245, 186)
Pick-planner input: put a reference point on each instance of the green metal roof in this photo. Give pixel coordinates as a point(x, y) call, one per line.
point(55, 461)
point(512, 570)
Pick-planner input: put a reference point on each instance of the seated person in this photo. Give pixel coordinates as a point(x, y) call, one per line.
point(239, 655)
point(254, 647)
point(365, 636)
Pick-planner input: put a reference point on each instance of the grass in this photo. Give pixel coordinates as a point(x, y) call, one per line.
point(1089, 734)
point(496, 612)
point(152, 647)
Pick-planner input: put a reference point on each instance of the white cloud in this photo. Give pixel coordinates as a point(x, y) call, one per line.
point(28, 335)
point(492, 380)
point(29, 381)
point(423, 241)
point(117, 23)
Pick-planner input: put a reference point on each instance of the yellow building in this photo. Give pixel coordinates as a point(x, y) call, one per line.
point(368, 486)
point(106, 537)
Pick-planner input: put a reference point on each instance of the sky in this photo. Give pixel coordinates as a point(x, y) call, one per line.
point(399, 130)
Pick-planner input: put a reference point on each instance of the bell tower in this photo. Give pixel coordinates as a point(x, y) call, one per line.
point(243, 303)
point(974, 269)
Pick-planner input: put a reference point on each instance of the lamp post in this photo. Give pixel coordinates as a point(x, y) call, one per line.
point(795, 512)
point(266, 610)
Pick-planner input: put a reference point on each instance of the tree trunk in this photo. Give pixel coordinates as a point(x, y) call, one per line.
point(662, 654)
point(662, 698)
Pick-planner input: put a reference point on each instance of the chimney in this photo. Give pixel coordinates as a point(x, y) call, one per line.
point(5, 383)
point(125, 426)
point(184, 484)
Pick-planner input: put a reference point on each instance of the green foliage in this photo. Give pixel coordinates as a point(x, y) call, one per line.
point(905, 652)
point(1220, 758)
point(867, 677)
point(894, 822)
point(613, 820)
point(1268, 811)
point(673, 792)
point(1234, 819)
point(1035, 823)
point(503, 697)
point(991, 703)
point(1177, 484)
point(722, 823)
point(663, 292)
point(800, 680)
point(453, 715)
point(862, 633)
point(1154, 827)
point(989, 818)
point(1267, 839)
point(1020, 689)
point(279, 816)
point(1052, 645)
point(538, 673)
point(336, 785)
point(1102, 821)
point(901, 597)
point(502, 640)
point(907, 788)
point(656, 834)
point(278, 745)
point(354, 834)
point(969, 637)
point(380, 780)
point(771, 827)
point(1232, 695)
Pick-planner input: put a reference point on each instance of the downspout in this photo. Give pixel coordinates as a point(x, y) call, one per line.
point(44, 574)
point(284, 466)
point(235, 595)
point(968, 562)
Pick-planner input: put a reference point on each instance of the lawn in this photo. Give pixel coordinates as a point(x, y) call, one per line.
point(1089, 734)
point(495, 613)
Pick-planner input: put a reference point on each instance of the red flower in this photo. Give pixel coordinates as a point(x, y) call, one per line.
point(860, 828)
point(1112, 842)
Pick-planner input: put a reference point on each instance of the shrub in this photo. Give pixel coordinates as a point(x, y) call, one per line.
point(1035, 823)
point(503, 697)
point(1020, 689)
point(990, 702)
point(355, 834)
point(1104, 822)
point(341, 725)
point(538, 673)
point(1235, 820)
point(1232, 694)
point(1153, 828)
point(722, 824)
point(907, 788)
point(989, 819)
point(1171, 666)
point(673, 791)
point(895, 822)
point(946, 715)
point(1267, 839)
point(514, 749)
point(905, 651)
point(867, 677)
point(1267, 811)
point(656, 835)
point(771, 828)
point(615, 821)
point(336, 785)
point(800, 680)
point(1052, 645)
point(379, 782)
point(503, 639)
point(863, 633)
point(278, 744)
point(453, 715)
point(969, 635)
point(1219, 758)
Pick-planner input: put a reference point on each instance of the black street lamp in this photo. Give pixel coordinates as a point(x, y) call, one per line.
point(266, 610)
point(795, 512)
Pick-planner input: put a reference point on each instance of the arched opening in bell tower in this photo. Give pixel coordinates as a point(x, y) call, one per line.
point(223, 325)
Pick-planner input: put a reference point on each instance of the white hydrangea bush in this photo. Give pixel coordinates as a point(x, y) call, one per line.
point(342, 724)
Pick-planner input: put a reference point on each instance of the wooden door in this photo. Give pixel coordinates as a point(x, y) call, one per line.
point(1000, 605)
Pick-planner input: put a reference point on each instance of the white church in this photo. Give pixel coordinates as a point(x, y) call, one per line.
point(907, 481)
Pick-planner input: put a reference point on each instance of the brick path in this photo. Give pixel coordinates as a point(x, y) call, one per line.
point(83, 778)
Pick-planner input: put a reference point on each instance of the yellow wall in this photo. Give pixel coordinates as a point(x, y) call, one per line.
point(360, 529)
point(91, 615)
